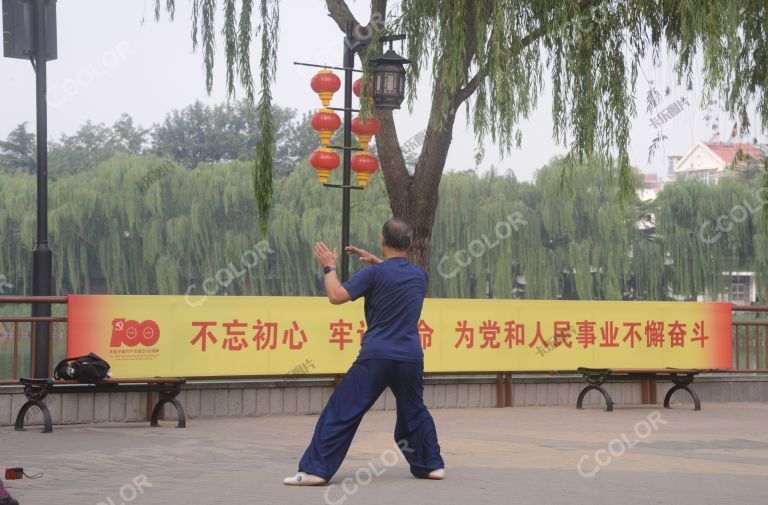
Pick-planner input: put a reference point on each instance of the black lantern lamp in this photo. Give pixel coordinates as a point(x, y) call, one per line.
point(389, 79)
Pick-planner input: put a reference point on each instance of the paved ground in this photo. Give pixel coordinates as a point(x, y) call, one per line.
point(499, 456)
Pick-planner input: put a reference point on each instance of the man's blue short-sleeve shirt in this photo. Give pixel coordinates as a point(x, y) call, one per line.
point(394, 293)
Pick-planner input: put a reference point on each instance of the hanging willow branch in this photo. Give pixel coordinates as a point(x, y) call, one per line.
point(263, 166)
point(493, 56)
point(237, 32)
point(192, 225)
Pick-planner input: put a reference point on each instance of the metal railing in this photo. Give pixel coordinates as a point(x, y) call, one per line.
point(17, 343)
point(750, 338)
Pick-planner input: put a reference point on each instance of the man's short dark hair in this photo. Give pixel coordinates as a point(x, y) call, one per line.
point(397, 234)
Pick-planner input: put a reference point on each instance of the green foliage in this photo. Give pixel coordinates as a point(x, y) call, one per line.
point(575, 243)
point(712, 229)
point(181, 230)
point(18, 151)
point(209, 134)
point(195, 134)
point(238, 32)
point(112, 233)
point(263, 165)
point(593, 51)
point(93, 144)
point(493, 55)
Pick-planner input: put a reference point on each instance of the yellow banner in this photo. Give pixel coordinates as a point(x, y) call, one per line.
point(146, 336)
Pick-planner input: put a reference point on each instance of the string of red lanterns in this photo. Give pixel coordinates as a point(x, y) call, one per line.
point(364, 164)
point(325, 122)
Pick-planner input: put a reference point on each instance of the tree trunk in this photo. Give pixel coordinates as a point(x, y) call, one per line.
point(414, 198)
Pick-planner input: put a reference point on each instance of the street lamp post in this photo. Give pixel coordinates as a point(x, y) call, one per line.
point(388, 91)
point(29, 32)
point(42, 256)
point(349, 62)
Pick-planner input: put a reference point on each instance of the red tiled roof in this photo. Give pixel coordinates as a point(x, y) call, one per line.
point(728, 152)
point(651, 181)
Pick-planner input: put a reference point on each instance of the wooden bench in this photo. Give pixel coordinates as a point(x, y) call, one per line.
point(37, 389)
point(596, 377)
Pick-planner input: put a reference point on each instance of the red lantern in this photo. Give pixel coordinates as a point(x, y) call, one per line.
point(363, 165)
point(365, 130)
point(325, 122)
point(324, 160)
point(357, 89)
point(325, 83)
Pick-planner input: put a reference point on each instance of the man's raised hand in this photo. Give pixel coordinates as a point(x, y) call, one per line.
point(325, 256)
point(364, 255)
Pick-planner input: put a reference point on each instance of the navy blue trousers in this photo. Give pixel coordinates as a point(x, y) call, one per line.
point(415, 431)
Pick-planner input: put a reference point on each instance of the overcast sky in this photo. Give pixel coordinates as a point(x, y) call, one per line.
point(109, 62)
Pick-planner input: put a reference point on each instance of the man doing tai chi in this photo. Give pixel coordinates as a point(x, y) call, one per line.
point(390, 356)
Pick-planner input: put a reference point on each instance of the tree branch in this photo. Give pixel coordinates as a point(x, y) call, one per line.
point(340, 13)
point(468, 90)
point(379, 7)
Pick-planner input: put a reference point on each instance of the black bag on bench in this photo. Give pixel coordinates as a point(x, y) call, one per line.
point(89, 369)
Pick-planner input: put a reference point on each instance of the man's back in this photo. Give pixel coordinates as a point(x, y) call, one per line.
point(394, 293)
point(390, 357)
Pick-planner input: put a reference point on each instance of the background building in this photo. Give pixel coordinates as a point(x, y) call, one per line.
point(710, 161)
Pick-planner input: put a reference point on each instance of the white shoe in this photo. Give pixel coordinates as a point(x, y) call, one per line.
point(438, 474)
point(304, 479)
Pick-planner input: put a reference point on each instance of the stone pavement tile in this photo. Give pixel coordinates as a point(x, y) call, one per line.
point(438, 396)
point(487, 395)
point(116, 406)
point(100, 407)
point(236, 402)
point(302, 400)
point(276, 396)
point(192, 403)
point(85, 403)
point(221, 402)
point(207, 402)
point(262, 402)
point(5, 409)
point(249, 402)
point(315, 400)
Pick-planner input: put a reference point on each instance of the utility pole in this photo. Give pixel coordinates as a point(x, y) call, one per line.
point(29, 33)
point(42, 256)
point(349, 63)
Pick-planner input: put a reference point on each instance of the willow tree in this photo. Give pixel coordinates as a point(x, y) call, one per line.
point(191, 232)
point(492, 57)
